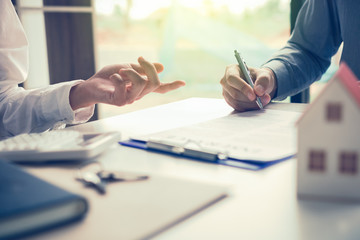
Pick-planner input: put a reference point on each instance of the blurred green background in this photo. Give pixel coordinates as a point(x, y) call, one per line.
point(194, 40)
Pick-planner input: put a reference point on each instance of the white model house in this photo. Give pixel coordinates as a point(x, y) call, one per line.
point(329, 141)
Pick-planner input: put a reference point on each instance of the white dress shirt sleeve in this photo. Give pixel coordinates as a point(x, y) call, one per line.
point(24, 111)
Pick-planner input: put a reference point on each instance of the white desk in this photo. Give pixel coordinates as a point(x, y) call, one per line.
point(262, 204)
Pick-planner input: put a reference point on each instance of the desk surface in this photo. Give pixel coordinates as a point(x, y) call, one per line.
point(261, 205)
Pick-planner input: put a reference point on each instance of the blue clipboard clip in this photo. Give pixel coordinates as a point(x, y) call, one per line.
point(210, 156)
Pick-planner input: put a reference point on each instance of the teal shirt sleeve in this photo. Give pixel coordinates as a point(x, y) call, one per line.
point(307, 54)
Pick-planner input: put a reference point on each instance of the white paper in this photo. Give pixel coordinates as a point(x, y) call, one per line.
point(264, 135)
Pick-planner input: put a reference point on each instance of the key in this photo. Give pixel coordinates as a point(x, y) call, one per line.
point(115, 176)
point(93, 180)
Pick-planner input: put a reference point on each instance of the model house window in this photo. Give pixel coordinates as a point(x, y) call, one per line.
point(317, 161)
point(333, 112)
point(348, 162)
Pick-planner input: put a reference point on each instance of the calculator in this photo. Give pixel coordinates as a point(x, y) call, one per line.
point(56, 145)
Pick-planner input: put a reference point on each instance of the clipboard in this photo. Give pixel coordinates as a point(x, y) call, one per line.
point(208, 156)
point(251, 140)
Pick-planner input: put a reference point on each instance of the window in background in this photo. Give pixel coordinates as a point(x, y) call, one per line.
point(194, 39)
point(32, 18)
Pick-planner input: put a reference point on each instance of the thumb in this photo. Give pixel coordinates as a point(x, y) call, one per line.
point(263, 83)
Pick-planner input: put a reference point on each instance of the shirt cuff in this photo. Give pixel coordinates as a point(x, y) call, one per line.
point(56, 106)
point(280, 72)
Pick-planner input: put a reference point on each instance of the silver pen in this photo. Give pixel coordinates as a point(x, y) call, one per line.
point(246, 72)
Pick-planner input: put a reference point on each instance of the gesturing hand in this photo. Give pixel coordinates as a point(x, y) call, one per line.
point(121, 84)
point(239, 95)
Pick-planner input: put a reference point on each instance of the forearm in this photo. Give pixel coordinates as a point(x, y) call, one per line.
point(295, 69)
point(307, 55)
point(25, 111)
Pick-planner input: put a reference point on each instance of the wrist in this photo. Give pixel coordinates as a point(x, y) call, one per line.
point(78, 97)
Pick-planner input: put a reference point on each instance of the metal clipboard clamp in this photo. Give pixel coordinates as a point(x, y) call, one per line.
point(187, 151)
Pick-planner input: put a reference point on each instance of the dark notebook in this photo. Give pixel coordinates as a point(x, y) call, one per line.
point(29, 204)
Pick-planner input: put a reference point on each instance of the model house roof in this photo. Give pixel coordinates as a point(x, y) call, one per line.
point(348, 80)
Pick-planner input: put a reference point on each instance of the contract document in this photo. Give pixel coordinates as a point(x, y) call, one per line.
point(259, 136)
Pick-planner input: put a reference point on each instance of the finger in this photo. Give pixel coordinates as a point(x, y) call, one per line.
point(152, 76)
point(246, 105)
point(265, 99)
point(108, 70)
point(158, 66)
point(117, 79)
point(138, 84)
point(261, 85)
point(167, 87)
point(240, 106)
point(233, 79)
point(238, 95)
